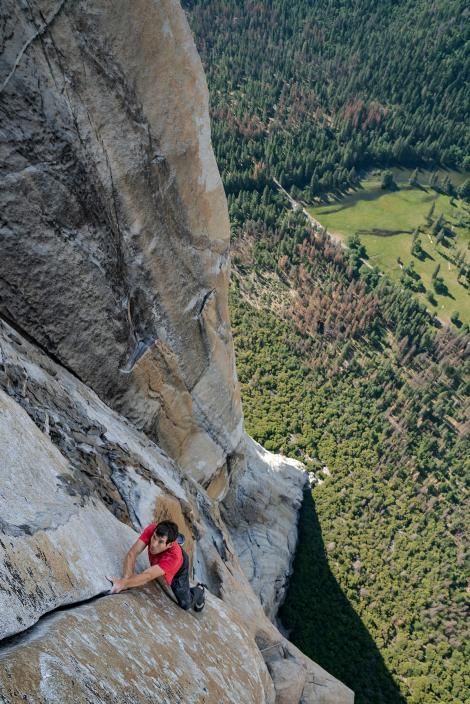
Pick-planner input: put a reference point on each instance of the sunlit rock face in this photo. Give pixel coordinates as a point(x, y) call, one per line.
point(115, 229)
point(56, 546)
point(157, 653)
point(78, 483)
point(260, 511)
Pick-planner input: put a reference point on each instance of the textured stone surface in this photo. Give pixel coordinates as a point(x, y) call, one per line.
point(261, 510)
point(299, 680)
point(103, 461)
point(114, 223)
point(157, 653)
point(55, 547)
point(66, 459)
point(108, 458)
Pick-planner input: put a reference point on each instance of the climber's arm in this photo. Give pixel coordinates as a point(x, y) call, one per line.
point(136, 580)
point(131, 557)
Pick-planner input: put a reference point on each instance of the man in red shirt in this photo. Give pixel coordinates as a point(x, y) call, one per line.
point(167, 559)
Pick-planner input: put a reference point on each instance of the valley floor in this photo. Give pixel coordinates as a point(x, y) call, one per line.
point(385, 221)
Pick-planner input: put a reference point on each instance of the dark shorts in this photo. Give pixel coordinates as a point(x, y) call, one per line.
point(186, 596)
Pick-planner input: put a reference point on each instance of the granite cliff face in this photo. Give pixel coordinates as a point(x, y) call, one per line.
point(119, 402)
point(115, 229)
point(78, 483)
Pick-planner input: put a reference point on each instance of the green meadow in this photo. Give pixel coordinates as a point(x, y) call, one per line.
point(385, 222)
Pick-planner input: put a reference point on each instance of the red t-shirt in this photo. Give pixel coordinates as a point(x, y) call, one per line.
point(170, 560)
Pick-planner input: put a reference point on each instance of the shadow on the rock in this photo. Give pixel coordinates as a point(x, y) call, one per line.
point(323, 624)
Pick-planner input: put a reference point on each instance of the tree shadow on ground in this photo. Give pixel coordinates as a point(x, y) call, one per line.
point(353, 199)
point(323, 624)
point(425, 255)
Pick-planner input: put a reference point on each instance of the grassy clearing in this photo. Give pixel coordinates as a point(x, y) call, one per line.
point(401, 175)
point(385, 221)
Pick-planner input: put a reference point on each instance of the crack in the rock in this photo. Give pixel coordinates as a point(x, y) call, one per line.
point(23, 636)
point(32, 340)
point(204, 301)
point(214, 434)
point(138, 352)
point(27, 44)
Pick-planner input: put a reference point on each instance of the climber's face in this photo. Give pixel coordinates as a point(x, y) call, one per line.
point(158, 543)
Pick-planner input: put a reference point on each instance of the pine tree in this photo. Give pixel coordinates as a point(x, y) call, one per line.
point(464, 190)
point(388, 182)
point(413, 180)
point(437, 225)
point(433, 180)
point(431, 212)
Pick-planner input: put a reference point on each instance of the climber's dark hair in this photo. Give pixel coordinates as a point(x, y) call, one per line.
point(167, 529)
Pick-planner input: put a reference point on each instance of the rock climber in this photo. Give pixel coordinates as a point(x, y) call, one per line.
point(167, 560)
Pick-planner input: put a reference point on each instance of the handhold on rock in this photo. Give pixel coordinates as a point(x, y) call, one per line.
point(139, 350)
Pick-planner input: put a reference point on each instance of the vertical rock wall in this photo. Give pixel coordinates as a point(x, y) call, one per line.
point(114, 230)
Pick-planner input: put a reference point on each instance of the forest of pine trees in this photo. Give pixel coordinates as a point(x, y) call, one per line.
point(315, 92)
point(350, 374)
point(339, 366)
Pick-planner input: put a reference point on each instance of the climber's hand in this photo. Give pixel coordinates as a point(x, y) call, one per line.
point(118, 584)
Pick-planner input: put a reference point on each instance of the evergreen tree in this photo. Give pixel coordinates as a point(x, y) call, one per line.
point(437, 225)
point(464, 190)
point(414, 178)
point(388, 182)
